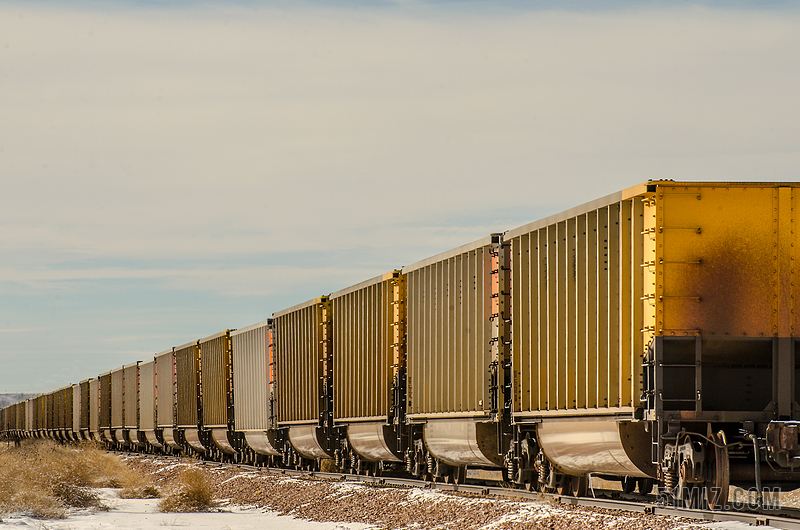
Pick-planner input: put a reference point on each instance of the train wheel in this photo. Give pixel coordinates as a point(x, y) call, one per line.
point(645, 485)
point(580, 486)
point(628, 484)
point(719, 472)
point(460, 474)
point(564, 484)
point(692, 499)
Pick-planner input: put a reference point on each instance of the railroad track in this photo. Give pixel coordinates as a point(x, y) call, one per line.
point(784, 518)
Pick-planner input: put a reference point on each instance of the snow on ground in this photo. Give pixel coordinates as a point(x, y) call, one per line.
point(143, 514)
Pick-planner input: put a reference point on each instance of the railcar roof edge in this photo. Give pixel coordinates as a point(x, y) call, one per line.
point(251, 327)
point(365, 283)
point(628, 193)
point(215, 335)
point(299, 306)
point(482, 242)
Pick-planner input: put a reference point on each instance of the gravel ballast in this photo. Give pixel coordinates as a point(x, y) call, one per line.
point(323, 499)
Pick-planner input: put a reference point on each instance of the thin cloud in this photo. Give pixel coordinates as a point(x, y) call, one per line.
point(170, 172)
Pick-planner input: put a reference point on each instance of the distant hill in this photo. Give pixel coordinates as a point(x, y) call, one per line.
point(8, 399)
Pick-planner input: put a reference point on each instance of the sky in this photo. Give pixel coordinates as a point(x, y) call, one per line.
point(173, 169)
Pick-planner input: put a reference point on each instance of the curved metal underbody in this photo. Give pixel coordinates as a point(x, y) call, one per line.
point(133, 437)
point(373, 440)
point(192, 436)
point(118, 435)
point(308, 440)
point(152, 438)
point(579, 446)
point(463, 441)
point(170, 439)
point(262, 442)
point(221, 440)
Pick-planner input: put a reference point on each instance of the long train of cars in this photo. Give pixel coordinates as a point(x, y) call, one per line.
point(646, 336)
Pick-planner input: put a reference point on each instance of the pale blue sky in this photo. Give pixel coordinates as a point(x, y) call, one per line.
point(172, 169)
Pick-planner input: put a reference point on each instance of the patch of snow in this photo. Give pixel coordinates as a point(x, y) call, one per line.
point(143, 514)
point(347, 487)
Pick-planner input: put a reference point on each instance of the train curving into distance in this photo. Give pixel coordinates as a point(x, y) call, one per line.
point(647, 336)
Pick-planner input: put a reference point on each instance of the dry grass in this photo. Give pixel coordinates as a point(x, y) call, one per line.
point(140, 491)
point(194, 494)
point(44, 479)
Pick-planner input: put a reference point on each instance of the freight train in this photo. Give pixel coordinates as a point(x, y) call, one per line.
point(647, 336)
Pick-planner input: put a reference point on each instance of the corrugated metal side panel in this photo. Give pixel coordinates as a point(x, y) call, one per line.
point(49, 400)
point(68, 408)
point(105, 401)
point(117, 398)
point(20, 416)
point(147, 396)
point(187, 361)
point(58, 411)
point(251, 380)
point(298, 357)
point(62, 409)
point(166, 390)
point(449, 332)
point(131, 397)
point(94, 405)
point(577, 312)
point(76, 408)
point(85, 406)
point(216, 379)
point(29, 414)
point(362, 342)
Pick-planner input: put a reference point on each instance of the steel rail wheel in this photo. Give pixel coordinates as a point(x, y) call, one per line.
point(719, 472)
